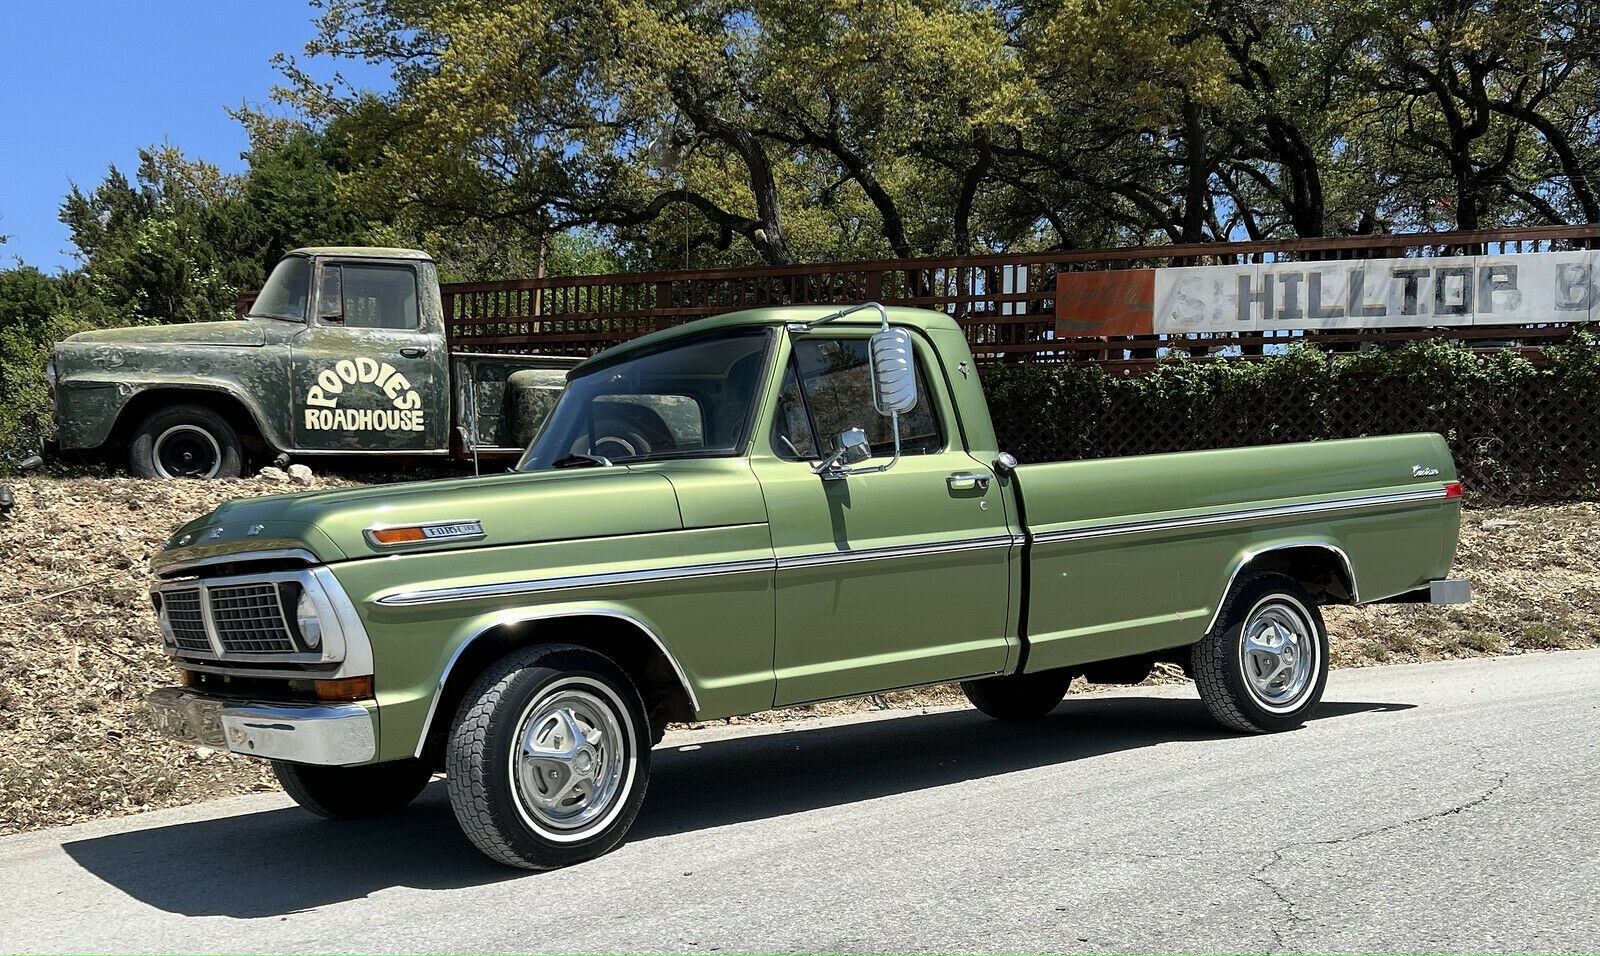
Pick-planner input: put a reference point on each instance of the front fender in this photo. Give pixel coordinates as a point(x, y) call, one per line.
point(409, 708)
point(90, 406)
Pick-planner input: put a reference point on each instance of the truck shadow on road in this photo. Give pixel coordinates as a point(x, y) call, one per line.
point(278, 862)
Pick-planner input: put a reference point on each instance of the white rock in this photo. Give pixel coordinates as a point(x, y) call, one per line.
point(271, 473)
point(300, 474)
point(1496, 524)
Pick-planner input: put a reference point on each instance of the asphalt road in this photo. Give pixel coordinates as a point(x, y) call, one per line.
point(1440, 807)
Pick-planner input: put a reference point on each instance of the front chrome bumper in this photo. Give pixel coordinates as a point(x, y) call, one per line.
point(328, 734)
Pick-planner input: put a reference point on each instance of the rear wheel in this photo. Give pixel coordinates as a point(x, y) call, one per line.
point(185, 441)
point(1264, 666)
point(549, 757)
point(350, 793)
point(1019, 696)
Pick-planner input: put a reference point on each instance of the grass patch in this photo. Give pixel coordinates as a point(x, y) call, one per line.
point(1481, 642)
point(1542, 637)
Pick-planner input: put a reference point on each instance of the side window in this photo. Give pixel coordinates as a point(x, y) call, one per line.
point(831, 379)
point(792, 434)
point(360, 296)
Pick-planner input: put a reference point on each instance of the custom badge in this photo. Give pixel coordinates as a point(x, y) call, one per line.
point(323, 412)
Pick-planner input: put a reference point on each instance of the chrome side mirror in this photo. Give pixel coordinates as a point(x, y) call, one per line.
point(852, 448)
point(894, 377)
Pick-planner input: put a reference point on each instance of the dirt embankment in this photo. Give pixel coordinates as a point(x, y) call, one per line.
point(79, 647)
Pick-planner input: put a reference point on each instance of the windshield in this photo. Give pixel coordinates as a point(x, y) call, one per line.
point(284, 296)
point(689, 400)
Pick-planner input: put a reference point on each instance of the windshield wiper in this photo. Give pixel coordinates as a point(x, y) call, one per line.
point(576, 460)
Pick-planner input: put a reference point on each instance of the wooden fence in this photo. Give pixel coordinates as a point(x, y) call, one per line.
point(1006, 303)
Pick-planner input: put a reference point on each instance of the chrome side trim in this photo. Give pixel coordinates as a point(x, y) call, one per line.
point(1251, 555)
point(1241, 514)
point(823, 558)
point(473, 592)
point(277, 554)
point(444, 676)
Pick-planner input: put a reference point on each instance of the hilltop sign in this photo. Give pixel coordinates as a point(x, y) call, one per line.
point(1447, 291)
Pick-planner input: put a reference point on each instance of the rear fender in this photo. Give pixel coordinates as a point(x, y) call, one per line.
point(1288, 556)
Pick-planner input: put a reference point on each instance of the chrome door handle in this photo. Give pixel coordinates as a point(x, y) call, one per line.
point(962, 481)
point(414, 351)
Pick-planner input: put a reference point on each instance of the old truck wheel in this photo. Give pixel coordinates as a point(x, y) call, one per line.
point(549, 757)
point(1264, 666)
point(350, 793)
point(1019, 696)
point(185, 441)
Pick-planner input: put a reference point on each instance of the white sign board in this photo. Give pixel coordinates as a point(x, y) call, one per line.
point(1514, 289)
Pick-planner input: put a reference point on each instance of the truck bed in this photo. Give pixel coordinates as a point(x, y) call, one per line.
point(1129, 555)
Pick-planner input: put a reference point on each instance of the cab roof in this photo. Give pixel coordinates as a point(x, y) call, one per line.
point(365, 252)
point(922, 319)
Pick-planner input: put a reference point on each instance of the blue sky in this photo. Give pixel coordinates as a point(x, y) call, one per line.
point(85, 83)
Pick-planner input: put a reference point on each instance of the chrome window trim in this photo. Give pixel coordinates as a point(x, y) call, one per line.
point(473, 592)
point(1254, 553)
point(550, 615)
point(1238, 514)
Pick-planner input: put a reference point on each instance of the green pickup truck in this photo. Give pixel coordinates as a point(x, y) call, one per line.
point(342, 353)
point(762, 509)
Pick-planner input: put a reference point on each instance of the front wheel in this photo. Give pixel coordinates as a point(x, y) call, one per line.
point(185, 441)
point(549, 757)
point(350, 793)
point(1264, 666)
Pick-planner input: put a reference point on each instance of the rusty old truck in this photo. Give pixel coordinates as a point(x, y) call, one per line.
point(342, 353)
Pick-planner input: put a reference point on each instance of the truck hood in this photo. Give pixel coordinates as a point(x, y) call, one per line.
point(513, 509)
point(236, 333)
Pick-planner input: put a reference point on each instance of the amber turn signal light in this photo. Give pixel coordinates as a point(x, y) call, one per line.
point(397, 535)
point(344, 688)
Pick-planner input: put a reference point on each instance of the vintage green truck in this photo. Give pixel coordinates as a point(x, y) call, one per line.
point(343, 352)
point(761, 509)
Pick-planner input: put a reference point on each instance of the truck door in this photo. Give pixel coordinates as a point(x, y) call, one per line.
point(369, 370)
point(884, 580)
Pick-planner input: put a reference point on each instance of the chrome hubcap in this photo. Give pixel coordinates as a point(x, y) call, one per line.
point(187, 451)
point(1279, 653)
point(571, 758)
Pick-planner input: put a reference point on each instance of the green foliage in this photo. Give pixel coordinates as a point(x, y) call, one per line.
point(176, 243)
point(1517, 428)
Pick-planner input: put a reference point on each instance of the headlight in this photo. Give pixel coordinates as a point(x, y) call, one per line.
point(307, 621)
point(50, 375)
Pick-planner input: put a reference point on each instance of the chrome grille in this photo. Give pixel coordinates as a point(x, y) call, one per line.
point(188, 624)
point(249, 619)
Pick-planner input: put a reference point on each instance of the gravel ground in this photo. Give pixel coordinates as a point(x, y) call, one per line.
point(79, 647)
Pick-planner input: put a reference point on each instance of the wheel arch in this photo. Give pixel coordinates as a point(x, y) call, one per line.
point(1322, 567)
point(245, 419)
point(620, 635)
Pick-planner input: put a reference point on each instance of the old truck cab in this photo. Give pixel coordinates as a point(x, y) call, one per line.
point(343, 352)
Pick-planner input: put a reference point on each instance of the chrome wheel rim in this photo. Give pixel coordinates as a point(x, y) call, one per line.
point(1279, 653)
point(187, 451)
point(573, 759)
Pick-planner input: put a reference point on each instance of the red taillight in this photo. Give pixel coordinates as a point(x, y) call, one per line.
point(1452, 490)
